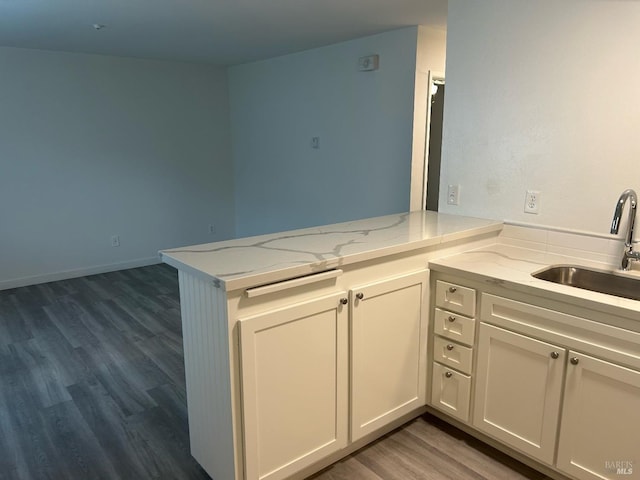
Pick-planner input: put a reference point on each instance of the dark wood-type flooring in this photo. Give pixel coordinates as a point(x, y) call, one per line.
point(92, 387)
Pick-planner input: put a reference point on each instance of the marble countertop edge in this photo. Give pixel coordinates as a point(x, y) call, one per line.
point(287, 255)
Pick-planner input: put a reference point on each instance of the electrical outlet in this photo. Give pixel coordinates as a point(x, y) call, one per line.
point(532, 202)
point(453, 195)
point(212, 229)
point(315, 142)
point(115, 240)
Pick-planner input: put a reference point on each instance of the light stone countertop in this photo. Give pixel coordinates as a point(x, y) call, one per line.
point(253, 261)
point(512, 267)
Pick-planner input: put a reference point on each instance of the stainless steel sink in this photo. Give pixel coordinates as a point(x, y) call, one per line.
point(594, 280)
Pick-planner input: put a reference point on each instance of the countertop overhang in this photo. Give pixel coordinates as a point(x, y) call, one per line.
point(253, 261)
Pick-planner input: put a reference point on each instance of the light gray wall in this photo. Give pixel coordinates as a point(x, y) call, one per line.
point(93, 146)
point(363, 119)
point(542, 95)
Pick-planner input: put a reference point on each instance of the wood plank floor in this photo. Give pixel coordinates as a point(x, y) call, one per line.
point(92, 387)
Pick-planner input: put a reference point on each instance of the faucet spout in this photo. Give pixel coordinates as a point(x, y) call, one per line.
point(627, 195)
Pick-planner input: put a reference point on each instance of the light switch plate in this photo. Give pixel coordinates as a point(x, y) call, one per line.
point(453, 195)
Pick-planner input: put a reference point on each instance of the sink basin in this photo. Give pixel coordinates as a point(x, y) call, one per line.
point(594, 280)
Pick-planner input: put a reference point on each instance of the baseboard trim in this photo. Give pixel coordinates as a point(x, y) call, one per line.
point(80, 272)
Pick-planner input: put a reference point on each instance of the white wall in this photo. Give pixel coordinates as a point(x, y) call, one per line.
point(542, 95)
point(363, 119)
point(92, 146)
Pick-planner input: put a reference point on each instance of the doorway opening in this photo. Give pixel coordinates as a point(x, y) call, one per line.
point(433, 153)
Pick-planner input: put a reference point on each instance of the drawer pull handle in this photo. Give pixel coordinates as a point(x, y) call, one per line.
point(344, 301)
point(452, 289)
point(554, 355)
point(574, 360)
point(360, 296)
point(448, 374)
point(451, 318)
point(449, 347)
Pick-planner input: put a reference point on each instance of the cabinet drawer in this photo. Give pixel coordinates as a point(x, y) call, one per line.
point(456, 327)
point(456, 298)
point(450, 391)
point(452, 354)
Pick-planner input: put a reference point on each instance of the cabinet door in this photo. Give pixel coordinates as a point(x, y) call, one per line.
point(388, 351)
point(518, 389)
point(450, 391)
point(600, 432)
point(294, 386)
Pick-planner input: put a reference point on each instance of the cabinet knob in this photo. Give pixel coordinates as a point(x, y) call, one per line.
point(554, 355)
point(574, 360)
point(344, 301)
point(449, 347)
point(452, 289)
point(451, 318)
point(360, 295)
point(448, 374)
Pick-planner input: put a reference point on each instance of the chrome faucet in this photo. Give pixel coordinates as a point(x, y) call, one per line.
point(629, 253)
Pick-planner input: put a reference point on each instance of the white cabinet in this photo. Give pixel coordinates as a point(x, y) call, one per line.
point(311, 370)
point(388, 354)
point(518, 396)
point(452, 352)
point(518, 389)
point(450, 391)
point(294, 386)
point(600, 433)
point(541, 388)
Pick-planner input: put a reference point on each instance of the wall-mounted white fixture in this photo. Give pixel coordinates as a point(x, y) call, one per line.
point(369, 63)
point(315, 142)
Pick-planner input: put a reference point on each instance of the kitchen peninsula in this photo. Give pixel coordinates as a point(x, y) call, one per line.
point(301, 347)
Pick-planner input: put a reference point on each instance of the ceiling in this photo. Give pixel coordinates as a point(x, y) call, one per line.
point(221, 32)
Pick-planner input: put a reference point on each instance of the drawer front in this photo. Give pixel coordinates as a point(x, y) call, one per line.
point(454, 326)
point(452, 354)
point(450, 391)
point(608, 342)
point(456, 298)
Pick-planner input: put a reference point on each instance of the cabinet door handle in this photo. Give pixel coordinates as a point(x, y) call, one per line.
point(574, 360)
point(452, 289)
point(449, 347)
point(360, 295)
point(448, 374)
point(554, 355)
point(344, 301)
point(451, 318)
